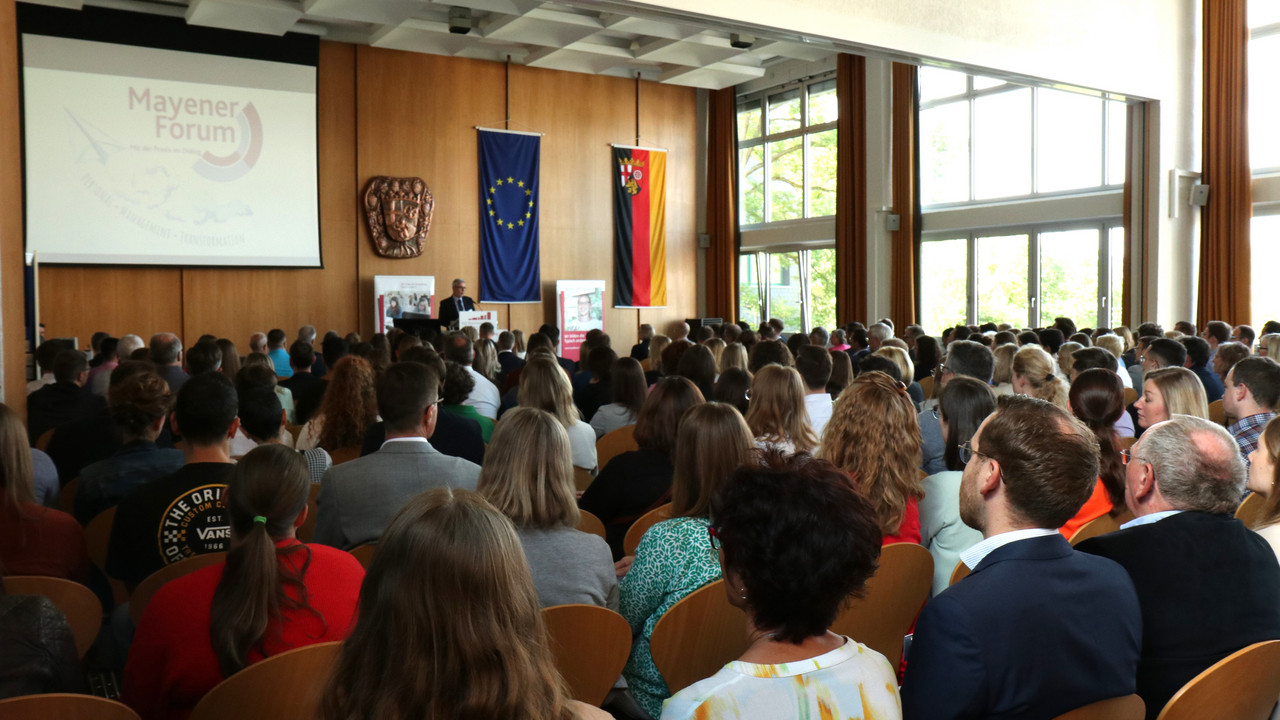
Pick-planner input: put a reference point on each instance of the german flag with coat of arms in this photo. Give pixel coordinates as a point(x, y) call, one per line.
point(639, 227)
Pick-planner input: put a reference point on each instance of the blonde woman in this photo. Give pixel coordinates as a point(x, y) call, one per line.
point(1170, 391)
point(873, 435)
point(1003, 375)
point(906, 369)
point(776, 413)
point(544, 385)
point(1264, 473)
point(716, 346)
point(517, 336)
point(1269, 346)
point(734, 356)
point(486, 360)
point(1033, 375)
point(528, 476)
point(656, 346)
point(1065, 352)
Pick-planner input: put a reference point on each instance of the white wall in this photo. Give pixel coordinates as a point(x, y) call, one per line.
point(1146, 49)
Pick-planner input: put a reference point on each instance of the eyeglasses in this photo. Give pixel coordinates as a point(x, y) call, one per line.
point(967, 452)
point(1127, 456)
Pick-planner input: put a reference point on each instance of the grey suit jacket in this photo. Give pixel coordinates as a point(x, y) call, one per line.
point(358, 498)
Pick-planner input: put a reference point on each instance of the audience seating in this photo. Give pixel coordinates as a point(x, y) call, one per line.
point(343, 454)
point(364, 553)
point(1129, 707)
point(1094, 528)
point(287, 686)
point(615, 443)
point(97, 538)
point(308, 527)
point(582, 479)
point(961, 572)
point(65, 706)
point(697, 636)
point(67, 497)
point(589, 523)
point(146, 589)
point(1217, 412)
point(1130, 396)
point(1241, 686)
point(926, 384)
point(1250, 509)
point(77, 602)
point(894, 596)
point(591, 645)
point(42, 442)
point(641, 525)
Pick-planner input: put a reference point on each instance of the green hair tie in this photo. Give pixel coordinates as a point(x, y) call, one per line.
point(260, 519)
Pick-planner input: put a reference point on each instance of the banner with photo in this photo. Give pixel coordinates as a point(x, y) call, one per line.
point(402, 296)
point(579, 308)
point(639, 227)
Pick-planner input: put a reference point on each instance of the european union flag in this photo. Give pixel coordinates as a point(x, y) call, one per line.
point(509, 257)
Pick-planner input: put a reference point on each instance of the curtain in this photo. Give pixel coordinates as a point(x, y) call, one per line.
point(1224, 290)
point(851, 189)
point(722, 205)
point(906, 196)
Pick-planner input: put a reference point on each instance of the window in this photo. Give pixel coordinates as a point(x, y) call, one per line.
point(799, 288)
point(1264, 155)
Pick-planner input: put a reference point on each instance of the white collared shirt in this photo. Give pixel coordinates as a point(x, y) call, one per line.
point(1150, 518)
point(975, 555)
point(416, 438)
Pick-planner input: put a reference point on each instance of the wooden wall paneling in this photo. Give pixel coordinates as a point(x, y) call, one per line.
point(235, 303)
point(581, 114)
point(416, 116)
point(669, 119)
point(13, 383)
point(77, 301)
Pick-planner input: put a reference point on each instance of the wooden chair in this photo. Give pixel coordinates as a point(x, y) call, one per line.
point(1218, 413)
point(697, 636)
point(1094, 528)
point(615, 443)
point(926, 384)
point(591, 645)
point(582, 479)
point(147, 589)
point(961, 572)
point(589, 523)
point(344, 454)
point(294, 430)
point(308, 526)
point(77, 602)
point(97, 538)
point(1242, 686)
point(67, 497)
point(42, 442)
point(1129, 707)
point(287, 686)
point(641, 525)
point(894, 596)
point(1130, 396)
point(65, 706)
point(364, 553)
point(1250, 509)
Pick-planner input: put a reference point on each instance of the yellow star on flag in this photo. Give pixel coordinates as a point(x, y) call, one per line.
point(528, 192)
point(527, 214)
point(521, 183)
point(490, 189)
point(490, 213)
point(489, 200)
point(510, 226)
point(499, 182)
point(511, 179)
point(520, 223)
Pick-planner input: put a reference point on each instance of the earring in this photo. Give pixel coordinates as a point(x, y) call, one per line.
point(743, 592)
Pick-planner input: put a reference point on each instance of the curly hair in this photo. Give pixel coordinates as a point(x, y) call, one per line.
point(873, 435)
point(799, 538)
point(777, 413)
point(350, 404)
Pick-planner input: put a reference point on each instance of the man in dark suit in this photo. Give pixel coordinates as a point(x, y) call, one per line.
point(455, 303)
point(1036, 629)
point(640, 351)
point(66, 400)
point(1207, 584)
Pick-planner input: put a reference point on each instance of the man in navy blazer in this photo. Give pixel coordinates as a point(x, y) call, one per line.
point(452, 305)
point(1208, 585)
point(1036, 629)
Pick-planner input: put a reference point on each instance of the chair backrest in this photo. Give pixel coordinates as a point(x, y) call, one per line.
point(364, 553)
point(294, 430)
point(591, 645)
point(344, 454)
point(97, 536)
point(287, 686)
point(65, 706)
point(926, 384)
point(582, 479)
point(893, 598)
point(642, 524)
point(67, 498)
point(1095, 527)
point(1242, 686)
point(1218, 412)
point(614, 443)
point(961, 572)
point(1130, 396)
point(308, 526)
point(147, 589)
point(589, 523)
point(697, 636)
point(1128, 707)
point(1250, 509)
point(78, 603)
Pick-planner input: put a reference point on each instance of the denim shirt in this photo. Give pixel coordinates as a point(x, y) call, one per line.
point(105, 483)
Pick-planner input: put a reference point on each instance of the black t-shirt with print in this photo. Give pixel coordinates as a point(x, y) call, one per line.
point(168, 520)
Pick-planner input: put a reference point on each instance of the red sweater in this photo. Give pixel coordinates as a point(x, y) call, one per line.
point(36, 540)
point(909, 530)
point(171, 662)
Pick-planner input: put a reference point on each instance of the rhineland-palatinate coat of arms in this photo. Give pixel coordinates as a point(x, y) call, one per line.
point(399, 215)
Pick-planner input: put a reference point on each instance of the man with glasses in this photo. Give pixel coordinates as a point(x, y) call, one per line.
point(1036, 629)
point(1208, 585)
point(964, 357)
point(456, 303)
